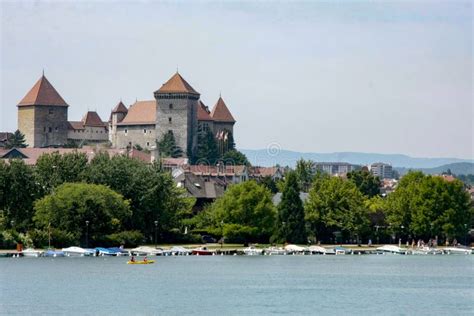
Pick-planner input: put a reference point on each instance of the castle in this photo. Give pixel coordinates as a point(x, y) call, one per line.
point(176, 109)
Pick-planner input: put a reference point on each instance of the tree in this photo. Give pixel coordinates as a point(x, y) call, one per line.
point(235, 157)
point(65, 212)
point(305, 171)
point(207, 150)
point(335, 204)
point(269, 183)
point(167, 146)
point(54, 169)
point(17, 140)
point(368, 184)
point(428, 206)
point(18, 191)
point(291, 215)
point(245, 213)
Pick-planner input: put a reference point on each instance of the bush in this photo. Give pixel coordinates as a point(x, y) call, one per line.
point(129, 238)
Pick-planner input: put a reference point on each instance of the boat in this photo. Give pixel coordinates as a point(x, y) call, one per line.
point(30, 252)
point(317, 250)
point(104, 252)
point(294, 249)
point(342, 251)
point(425, 251)
point(53, 253)
point(392, 249)
point(177, 251)
point(457, 251)
point(78, 251)
point(202, 251)
point(252, 251)
point(141, 262)
point(119, 251)
point(145, 251)
point(272, 251)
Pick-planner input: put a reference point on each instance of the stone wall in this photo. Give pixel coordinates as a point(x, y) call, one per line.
point(43, 126)
point(178, 113)
point(89, 133)
point(135, 134)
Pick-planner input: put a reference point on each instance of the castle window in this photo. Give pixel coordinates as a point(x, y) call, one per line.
point(170, 132)
point(147, 144)
point(144, 131)
point(171, 106)
point(44, 129)
point(126, 131)
point(169, 120)
point(56, 129)
point(51, 111)
point(50, 129)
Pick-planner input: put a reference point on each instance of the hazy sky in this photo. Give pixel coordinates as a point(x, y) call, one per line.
point(387, 77)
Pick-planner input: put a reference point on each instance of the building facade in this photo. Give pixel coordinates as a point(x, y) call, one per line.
point(381, 170)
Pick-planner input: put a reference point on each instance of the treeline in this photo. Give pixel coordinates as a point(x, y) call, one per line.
point(67, 200)
point(109, 200)
point(339, 210)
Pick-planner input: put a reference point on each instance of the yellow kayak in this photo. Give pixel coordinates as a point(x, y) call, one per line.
point(141, 262)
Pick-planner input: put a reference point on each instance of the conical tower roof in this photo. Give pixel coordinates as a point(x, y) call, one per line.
point(177, 84)
point(120, 108)
point(220, 112)
point(43, 93)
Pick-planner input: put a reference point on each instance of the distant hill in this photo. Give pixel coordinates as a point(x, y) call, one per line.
point(456, 168)
point(272, 156)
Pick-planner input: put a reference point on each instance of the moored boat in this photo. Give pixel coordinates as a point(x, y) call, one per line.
point(392, 249)
point(457, 251)
point(145, 251)
point(78, 251)
point(252, 251)
point(30, 252)
point(202, 251)
point(272, 251)
point(177, 251)
point(53, 253)
point(317, 250)
point(294, 249)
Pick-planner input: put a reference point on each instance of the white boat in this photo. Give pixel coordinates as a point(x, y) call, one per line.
point(272, 251)
point(392, 249)
point(425, 251)
point(30, 252)
point(293, 249)
point(457, 251)
point(317, 250)
point(145, 251)
point(177, 251)
point(252, 251)
point(77, 252)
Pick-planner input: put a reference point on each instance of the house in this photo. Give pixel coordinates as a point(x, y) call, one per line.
point(4, 137)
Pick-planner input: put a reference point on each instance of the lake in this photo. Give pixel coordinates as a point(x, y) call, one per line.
point(240, 285)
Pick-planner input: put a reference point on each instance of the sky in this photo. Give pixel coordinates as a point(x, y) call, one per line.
point(362, 76)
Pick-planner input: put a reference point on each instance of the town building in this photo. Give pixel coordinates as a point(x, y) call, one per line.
point(4, 137)
point(335, 168)
point(381, 170)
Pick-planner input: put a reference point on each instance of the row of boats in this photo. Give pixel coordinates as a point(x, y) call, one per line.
point(249, 251)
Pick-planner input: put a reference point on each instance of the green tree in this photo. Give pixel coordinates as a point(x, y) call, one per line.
point(16, 141)
point(167, 146)
point(235, 157)
point(245, 213)
point(368, 184)
point(54, 169)
point(18, 190)
point(335, 205)
point(207, 148)
point(305, 171)
point(428, 206)
point(65, 212)
point(291, 215)
point(269, 183)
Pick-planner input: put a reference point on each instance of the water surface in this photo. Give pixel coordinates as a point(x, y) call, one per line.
point(239, 285)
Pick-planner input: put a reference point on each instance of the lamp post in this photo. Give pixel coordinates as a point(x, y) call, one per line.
point(156, 230)
point(87, 234)
point(465, 235)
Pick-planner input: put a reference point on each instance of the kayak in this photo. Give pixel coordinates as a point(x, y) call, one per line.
point(141, 262)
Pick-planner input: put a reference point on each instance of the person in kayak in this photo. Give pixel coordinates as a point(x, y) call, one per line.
point(145, 259)
point(133, 259)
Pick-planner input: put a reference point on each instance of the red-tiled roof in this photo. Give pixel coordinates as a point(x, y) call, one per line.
point(214, 170)
point(75, 125)
point(43, 93)
point(220, 112)
point(176, 84)
point(120, 108)
point(141, 112)
point(92, 119)
point(202, 112)
point(263, 171)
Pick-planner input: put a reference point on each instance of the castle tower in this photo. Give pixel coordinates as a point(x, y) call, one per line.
point(42, 116)
point(117, 116)
point(177, 106)
point(223, 119)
